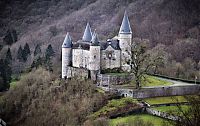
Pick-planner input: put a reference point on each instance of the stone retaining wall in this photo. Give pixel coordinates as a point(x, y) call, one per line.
point(161, 114)
point(160, 91)
point(106, 80)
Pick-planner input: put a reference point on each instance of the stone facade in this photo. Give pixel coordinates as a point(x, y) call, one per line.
point(105, 80)
point(77, 72)
point(94, 55)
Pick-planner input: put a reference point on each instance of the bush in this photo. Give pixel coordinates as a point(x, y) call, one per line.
point(43, 99)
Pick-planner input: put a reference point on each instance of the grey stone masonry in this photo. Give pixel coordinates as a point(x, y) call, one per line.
point(108, 80)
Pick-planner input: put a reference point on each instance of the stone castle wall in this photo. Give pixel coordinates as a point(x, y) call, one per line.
point(110, 58)
point(106, 80)
point(77, 72)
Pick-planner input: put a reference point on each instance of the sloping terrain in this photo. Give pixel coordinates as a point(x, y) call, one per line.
point(48, 21)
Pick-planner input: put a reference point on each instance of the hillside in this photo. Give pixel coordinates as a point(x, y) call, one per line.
point(170, 22)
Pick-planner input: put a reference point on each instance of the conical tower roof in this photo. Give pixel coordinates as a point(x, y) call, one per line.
point(67, 42)
point(95, 39)
point(87, 36)
point(125, 26)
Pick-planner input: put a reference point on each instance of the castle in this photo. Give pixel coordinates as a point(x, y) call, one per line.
point(93, 55)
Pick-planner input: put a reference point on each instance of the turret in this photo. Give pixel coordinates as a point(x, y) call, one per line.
point(87, 36)
point(94, 56)
point(66, 55)
point(125, 39)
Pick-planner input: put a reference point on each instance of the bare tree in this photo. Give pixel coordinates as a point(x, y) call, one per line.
point(143, 61)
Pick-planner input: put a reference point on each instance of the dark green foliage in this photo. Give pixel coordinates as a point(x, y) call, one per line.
point(19, 54)
point(10, 37)
point(37, 50)
point(22, 54)
point(9, 55)
point(5, 74)
point(49, 52)
point(39, 61)
point(48, 58)
point(26, 52)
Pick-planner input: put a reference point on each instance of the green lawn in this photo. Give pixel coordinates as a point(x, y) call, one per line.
point(114, 105)
point(153, 81)
point(147, 82)
point(162, 100)
point(172, 109)
point(145, 117)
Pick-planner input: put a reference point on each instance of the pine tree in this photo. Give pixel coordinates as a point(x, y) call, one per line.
point(48, 56)
point(9, 56)
point(5, 74)
point(37, 50)
point(19, 54)
point(49, 52)
point(26, 52)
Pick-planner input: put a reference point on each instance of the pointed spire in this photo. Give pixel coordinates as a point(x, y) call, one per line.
point(67, 42)
point(87, 36)
point(95, 39)
point(125, 26)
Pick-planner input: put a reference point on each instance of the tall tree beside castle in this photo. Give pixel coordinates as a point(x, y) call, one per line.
point(19, 54)
point(26, 52)
point(49, 53)
point(37, 50)
point(9, 56)
point(5, 74)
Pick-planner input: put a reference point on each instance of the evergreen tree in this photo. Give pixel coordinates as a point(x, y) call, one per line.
point(48, 57)
point(37, 50)
point(26, 52)
point(37, 62)
point(19, 54)
point(49, 52)
point(5, 75)
point(9, 56)
point(10, 37)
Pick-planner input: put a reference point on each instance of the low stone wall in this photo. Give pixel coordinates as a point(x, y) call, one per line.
point(106, 80)
point(161, 114)
point(160, 91)
point(77, 72)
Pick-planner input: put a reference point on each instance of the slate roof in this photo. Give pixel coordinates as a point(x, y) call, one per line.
point(113, 43)
point(67, 42)
point(87, 36)
point(95, 39)
point(125, 26)
point(81, 44)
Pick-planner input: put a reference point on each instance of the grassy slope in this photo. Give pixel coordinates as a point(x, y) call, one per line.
point(162, 100)
point(173, 109)
point(114, 105)
point(148, 82)
point(153, 81)
point(155, 120)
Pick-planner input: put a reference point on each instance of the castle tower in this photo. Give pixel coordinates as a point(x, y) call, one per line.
point(87, 36)
point(66, 54)
point(94, 66)
point(125, 40)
